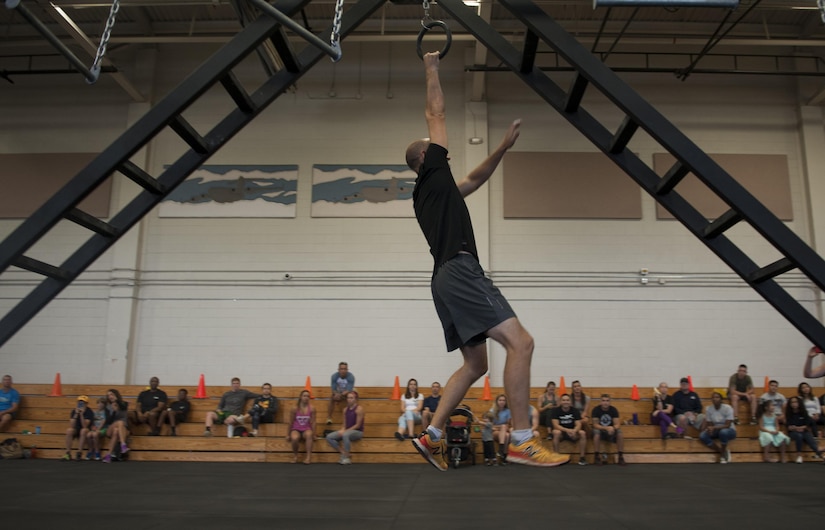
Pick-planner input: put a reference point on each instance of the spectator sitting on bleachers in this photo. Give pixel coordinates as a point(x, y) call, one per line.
point(567, 425)
point(412, 403)
point(352, 430)
point(580, 402)
point(9, 403)
point(813, 406)
point(96, 430)
point(799, 427)
point(662, 414)
point(778, 399)
point(341, 382)
point(176, 413)
point(606, 427)
point(302, 427)
point(545, 403)
point(263, 409)
point(116, 423)
point(80, 419)
point(500, 413)
point(230, 409)
point(719, 426)
point(808, 370)
point(769, 433)
point(150, 403)
point(740, 387)
point(687, 407)
point(430, 405)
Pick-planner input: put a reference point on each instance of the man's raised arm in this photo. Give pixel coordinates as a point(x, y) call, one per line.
point(434, 112)
point(482, 173)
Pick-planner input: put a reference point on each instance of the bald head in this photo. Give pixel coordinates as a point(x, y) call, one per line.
point(415, 153)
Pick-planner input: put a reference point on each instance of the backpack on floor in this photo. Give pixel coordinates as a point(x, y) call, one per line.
point(10, 449)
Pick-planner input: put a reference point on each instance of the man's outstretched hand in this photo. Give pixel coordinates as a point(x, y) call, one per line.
point(431, 59)
point(511, 135)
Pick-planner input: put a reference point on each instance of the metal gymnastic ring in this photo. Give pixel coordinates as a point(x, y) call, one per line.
point(427, 26)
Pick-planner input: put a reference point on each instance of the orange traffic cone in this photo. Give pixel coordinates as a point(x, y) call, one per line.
point(486, 395)
point(201, 393)
point(634, 394)
point(396, 390)
point(562, 386)
point(767, 384)
point(57, 388)
point(308, 388)
point(690, 383)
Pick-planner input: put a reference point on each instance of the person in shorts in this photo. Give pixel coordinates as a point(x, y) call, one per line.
point(470, 307)
point(9, 403)
point(567, 425)
point(230, 410)
point(606, 429)
point(687, 407)
point(177, 412)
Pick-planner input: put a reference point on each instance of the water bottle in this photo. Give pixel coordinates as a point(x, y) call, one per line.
point(37, 430)
point(635, 418)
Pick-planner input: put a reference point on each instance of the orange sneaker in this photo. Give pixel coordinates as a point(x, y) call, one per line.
point(434, 452)
point(533, 453)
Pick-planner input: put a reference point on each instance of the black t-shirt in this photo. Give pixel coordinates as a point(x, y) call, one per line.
point(668, 400)
point(566, 419)
point(431, 403)
point(798, 419)
point(181, 407)
point(267, 406)
point(88, 414)
point(149, 399)
point(440, 209)
point(605, 417)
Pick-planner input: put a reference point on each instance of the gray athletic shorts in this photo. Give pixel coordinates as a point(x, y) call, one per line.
point(467, 302)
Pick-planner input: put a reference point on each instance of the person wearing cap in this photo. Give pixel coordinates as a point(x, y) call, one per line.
point(687, 406)
point(9, 403)
point(150, 403)
point(80, 419)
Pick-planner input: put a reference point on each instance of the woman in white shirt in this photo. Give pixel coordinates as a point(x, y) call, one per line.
point(411, 405)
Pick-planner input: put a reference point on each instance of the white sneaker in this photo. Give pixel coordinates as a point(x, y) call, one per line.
point(346, 462)
point(798, 459)
point(723, 460)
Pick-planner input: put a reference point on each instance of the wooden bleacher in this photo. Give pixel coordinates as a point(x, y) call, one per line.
point(642, 442)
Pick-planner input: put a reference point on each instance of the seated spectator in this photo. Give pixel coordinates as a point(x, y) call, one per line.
point(351, 431)
point(263, 408)
point(412, 402)
point(662, 414)
point(177, 412)
point(302, 427)
point(808, 370)
point(567, 425)
point(813, 406)
point(687, 407)
point(501, 423)
point(778, 399)
point(96, 430)
point(116, 424)
point(80, 419)
point(150, 403)
point(230, 409)
point(9, 403)
point(799, 427)
point(740, 388)
point(580, 402)
point(341, 382)
point(769, 433)
point(545, 404)
point(430, 405)
point(606, 427)
point(719, 426)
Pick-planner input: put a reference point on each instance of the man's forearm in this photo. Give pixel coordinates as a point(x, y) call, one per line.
point(435, 96)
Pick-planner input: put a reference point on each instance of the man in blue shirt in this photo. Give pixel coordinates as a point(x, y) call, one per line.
point(9, 403)
point(341, 382)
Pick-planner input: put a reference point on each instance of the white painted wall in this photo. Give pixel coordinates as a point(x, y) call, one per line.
point(210, 295)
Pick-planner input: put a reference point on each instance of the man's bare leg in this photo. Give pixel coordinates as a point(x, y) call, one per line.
point(519, 347)
point(475, 366)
